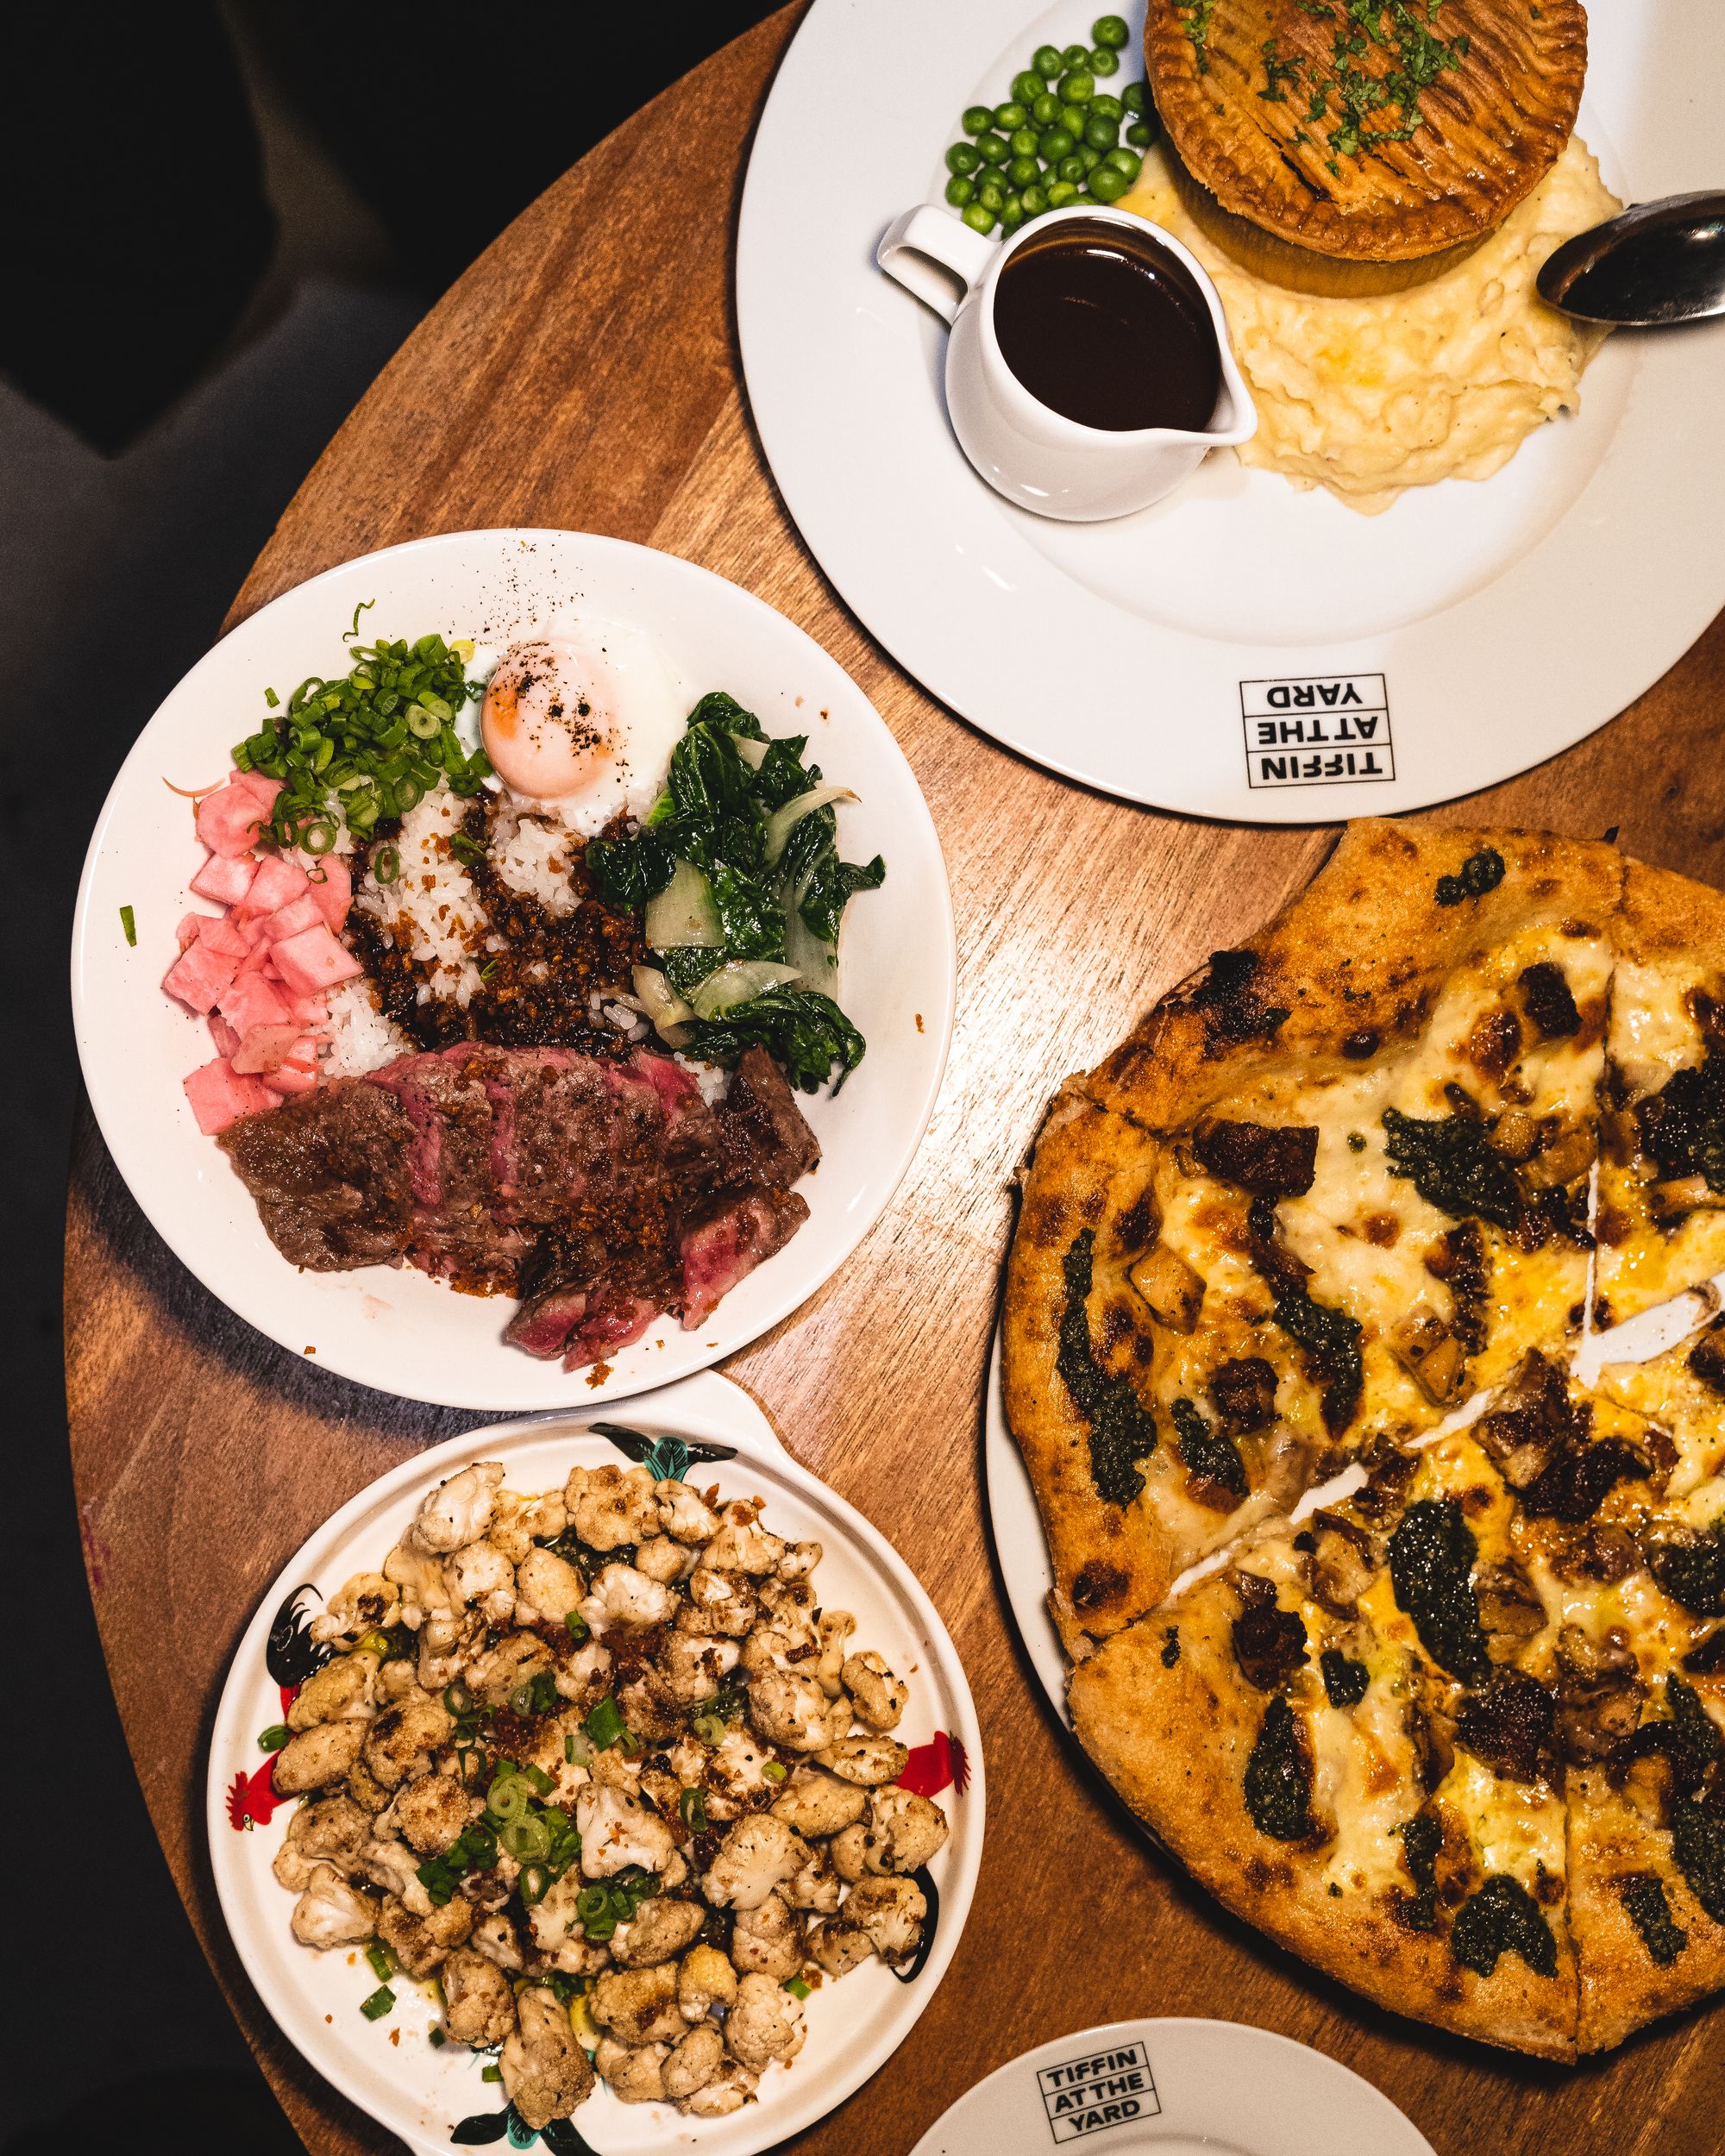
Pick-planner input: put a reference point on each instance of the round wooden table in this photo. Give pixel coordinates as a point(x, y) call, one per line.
point(584, 374)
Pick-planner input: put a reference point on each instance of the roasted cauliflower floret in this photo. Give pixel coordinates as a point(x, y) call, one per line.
point(516, 1657)
point(619, 1830)
point(836, 1628)
point(683, 1514)
point(742, 1544)
point(692, 1668)
point(840, 1947)
point(479, 1999)
point(814, 1802)
point(900, 1833)
point(419, 1578)
point(447, 1645)
point(719, 1603)
point(585, 1674)
point(331, 1830)
point(865, 1760)
point(420, 1943)
point(758, 1854)
point(330, 1912)
point(729, 2089)
point(367, 1602)
point(317, 1756)
point(817, 1886)
point(429, 1812)
point(891, 1911)
point(639, 2006)
point(799, 1560)
point(621, 1596)
point(768, 1939)
point(393, 1865)
point(765, 2024)
point(665, 1560)
point(545, 2072)
point(790, 1709)
point(611, 1506)
point(659, 1932)
point(556, 1929)
point(458, 1511)
point(479, 1576)
point(705, 1979)
point(495, 1936)
point(695, 2060)
point(878, 1697)
point(734, 1775)
point(547, 1587)
point(633, 2073)
point(400, 1743)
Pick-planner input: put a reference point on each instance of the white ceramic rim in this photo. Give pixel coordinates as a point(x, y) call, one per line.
point(1618, 584)
point(428, 1346)
point(704, 1406)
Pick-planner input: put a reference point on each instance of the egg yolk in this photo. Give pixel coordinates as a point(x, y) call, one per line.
point(544, 736)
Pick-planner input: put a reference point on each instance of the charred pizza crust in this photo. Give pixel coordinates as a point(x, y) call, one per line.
point(1289, 114)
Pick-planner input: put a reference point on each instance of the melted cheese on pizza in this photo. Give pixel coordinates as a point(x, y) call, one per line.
point(1362, 1779)
point(1515, 1826)
point(1653, 1034)
point(1666, 1392)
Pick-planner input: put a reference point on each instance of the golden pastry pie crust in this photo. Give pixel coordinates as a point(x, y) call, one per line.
point(1265, 101)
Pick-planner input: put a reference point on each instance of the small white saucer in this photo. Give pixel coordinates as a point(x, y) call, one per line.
point(1174, 2088)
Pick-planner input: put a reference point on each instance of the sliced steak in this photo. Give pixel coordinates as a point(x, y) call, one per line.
point(458, 1227)
point(331, 1174)
point(762, 1136)
point(730, 1242)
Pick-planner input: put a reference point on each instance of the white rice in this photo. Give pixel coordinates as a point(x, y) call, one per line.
point(713, 1082)
point(431, 910)
point(361, 1037)
point(535, 859)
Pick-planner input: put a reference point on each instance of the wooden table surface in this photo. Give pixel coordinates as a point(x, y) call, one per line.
point(584, 374)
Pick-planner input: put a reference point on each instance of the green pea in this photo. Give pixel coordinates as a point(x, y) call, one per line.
point(1028, 86)
point(1008, 117)
point(992, 196)
point(1024, 171)
point(976, 117)
point(1089, 158)
point(1071, 168)
point(1024, 142)
point(959, 189)
point(1046, 61)
point(1055, 145)
point(1106, 108)
point(1072, 118)
point(1074, 56)
point(1077, 88)
point(978, 218)
point(1035, 200)
point(962, 158)
point(1103, 62)
point(1140, 134)
point(1107, 185)
point(1045, 109)
point(1102, 135)
point(992, 147)
point(1132, 96)
point(1109, 29)
point(1062, 193)
point(1012, 215)
point(1125, 164)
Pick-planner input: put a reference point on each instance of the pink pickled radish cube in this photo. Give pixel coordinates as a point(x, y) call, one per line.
point(199, 977)
point(226, 878)
point(228, 820)
point(335, 894)
point(299, 913)
point(189, 925)
point(263, 1048)
point(226, 1039)
point(250, 1000)
point(263, 790)
point(297, 1073)
point(313, 960)
point(217, 932)
point(276, 883)
point(219, 1096)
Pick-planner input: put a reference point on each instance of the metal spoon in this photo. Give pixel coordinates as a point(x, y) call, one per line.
point(1658, 262)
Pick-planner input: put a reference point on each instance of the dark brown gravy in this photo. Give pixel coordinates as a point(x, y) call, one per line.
point(1105, 328)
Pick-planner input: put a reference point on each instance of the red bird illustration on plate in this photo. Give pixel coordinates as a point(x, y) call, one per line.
point(936, 1765)
point(252, 1800)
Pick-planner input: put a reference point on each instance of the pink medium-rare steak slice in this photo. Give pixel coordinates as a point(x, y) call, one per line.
point(458, 1227)
point(732, 1239)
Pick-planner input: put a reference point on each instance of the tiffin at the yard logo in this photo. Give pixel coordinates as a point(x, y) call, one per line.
point(1317, 730)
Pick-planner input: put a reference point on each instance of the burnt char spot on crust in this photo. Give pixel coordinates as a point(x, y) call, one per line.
point(1096, 1586)
point(1362, 1046)
point(1229, 998)
point(1278, 1160)
point(1138, 1222)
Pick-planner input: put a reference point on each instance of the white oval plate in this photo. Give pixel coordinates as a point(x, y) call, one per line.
point(395, 1329)
point(1021, 1546)
point(1176, 2088)
point(420, 2093)
point(1481, 626)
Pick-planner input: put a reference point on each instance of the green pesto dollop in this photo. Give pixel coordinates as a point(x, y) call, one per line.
point(1502, 1918)
point(1478, 873)
point(1449, 1160)
point(1278, 1778)
point(1345, 1682)
point(1431, 1567)
point(1644, 1897)
point(1209, 1452)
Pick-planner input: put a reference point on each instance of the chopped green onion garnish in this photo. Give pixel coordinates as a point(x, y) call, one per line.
point(540, 1779)
point(386, 864)
point(775, 1770)
point(435, 2037)
point(576, 1625)
point(491, 2073)
point(458, 1699)
point(381, 1960)
point(128, 921)
point(693, 1806)
point(378, 2004)
point(604, 1724)
point(271, 699)
point(273, 1738)
point(796, 1987)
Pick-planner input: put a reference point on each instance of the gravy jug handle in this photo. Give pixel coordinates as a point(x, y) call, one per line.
point(926, 241)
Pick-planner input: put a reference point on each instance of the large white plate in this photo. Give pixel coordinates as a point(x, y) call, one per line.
point(1177, 2087)
point(1506, 619)
point(421, 2093)
point(395, 1329)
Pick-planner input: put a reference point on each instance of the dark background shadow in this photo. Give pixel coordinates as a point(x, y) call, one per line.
point(218, 223)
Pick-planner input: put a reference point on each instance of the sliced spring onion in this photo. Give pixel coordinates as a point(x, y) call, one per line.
point(540, 1779)
point(658, 1003)
point(684, 914)
point(693, 1806)
point(753, 752)
point(782, 822)
point(458, 1699)
point(796, 1987)
point(381, 1960)
point(774, 1770)
point(710, 1728)
point(386, 864)
point(604, 1724)
point(575, 1625)
point(735, 983)
point(533, 1884)
point(576, 1750)
point(491, 2073)
point(128, 921)
point(510, 1801)
point(527, 1840)
point(817, 962)
point(435, 2037)
point(273, 1738)
point(378, 2004)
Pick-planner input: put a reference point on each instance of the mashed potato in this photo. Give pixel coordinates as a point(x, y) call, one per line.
point(1370, 396)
